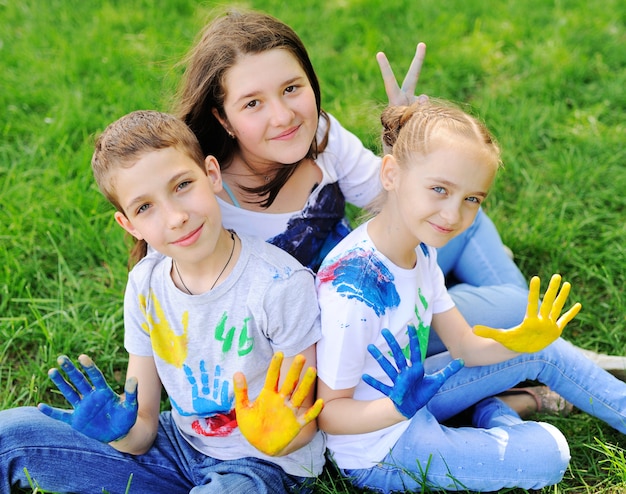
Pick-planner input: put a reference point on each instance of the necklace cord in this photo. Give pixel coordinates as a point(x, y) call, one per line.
point(232, 250)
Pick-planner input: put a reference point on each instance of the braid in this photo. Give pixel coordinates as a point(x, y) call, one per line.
point(416, 128)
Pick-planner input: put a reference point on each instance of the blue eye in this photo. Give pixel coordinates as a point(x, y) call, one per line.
point(183, 185)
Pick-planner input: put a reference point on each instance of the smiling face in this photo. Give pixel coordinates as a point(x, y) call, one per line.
point(437, 197)
point(270, 107)
point(169, 201)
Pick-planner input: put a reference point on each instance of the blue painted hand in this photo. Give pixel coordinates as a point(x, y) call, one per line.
point(411, 389)
point(98, 411)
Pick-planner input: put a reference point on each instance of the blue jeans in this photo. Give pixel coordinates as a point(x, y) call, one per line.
point(486, 285)
point(60, 459)
point(500, 451)
point(504, 451)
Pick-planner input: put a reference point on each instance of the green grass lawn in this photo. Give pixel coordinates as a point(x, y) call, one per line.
point(548, 77)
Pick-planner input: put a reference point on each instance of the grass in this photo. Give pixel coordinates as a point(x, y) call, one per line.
point(547, 76)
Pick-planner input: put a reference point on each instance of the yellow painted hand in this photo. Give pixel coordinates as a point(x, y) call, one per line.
point(537, 330)
point(273, 421)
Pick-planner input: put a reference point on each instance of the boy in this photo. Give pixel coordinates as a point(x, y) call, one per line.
point(205, 316)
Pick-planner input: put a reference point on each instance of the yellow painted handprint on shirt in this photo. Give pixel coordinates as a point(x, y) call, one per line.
point(169, 346)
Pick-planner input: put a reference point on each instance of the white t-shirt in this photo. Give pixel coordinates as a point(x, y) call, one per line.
point(349, 173)
point(266, 304)
point(360, 293)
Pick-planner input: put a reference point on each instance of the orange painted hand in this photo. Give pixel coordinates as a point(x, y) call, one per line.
point(273, 421)
point(537, 330)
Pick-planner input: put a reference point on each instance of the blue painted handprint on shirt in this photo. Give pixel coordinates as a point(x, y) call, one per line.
point(361, 275)
point(209, 397)
point(211, 401)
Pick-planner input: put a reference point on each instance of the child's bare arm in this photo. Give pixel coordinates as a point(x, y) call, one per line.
point(342, 414)
point(486, 346)
point(140, 438)
point(411, 388)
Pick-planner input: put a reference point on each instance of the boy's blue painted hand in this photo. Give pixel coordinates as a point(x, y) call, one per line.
point(98, 412)
point(411, 389)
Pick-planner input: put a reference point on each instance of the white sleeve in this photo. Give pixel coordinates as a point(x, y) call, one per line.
point(354, 166)
point(348, 326)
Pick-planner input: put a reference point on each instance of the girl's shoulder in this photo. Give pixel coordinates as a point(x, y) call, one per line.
point(346, 160)
point(355, 249)
point(329, 129)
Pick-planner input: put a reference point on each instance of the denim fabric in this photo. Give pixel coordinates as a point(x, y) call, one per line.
point(502, 451)
point(60, 459)
point(486, 285)
point(561, 366)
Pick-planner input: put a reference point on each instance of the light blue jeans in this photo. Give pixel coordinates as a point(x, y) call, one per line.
point(486, 285)
point(496, 453)
point(503, 451)
point(60, 459)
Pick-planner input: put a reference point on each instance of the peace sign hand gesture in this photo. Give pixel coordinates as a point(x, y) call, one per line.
point(537, 330)
point(405, 95)
point(98, 411)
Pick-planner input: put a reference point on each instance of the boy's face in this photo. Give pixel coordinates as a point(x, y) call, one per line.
point(169, 201)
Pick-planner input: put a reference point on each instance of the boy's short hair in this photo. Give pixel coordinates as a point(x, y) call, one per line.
point(127, 139)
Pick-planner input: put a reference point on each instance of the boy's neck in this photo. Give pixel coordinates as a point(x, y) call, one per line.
point(200, 278)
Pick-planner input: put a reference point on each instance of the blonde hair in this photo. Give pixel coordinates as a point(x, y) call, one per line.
point(417, 129)
point(414, 131)
point(126, 140)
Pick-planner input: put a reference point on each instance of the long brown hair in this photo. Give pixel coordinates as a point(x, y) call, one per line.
point(220, 45)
